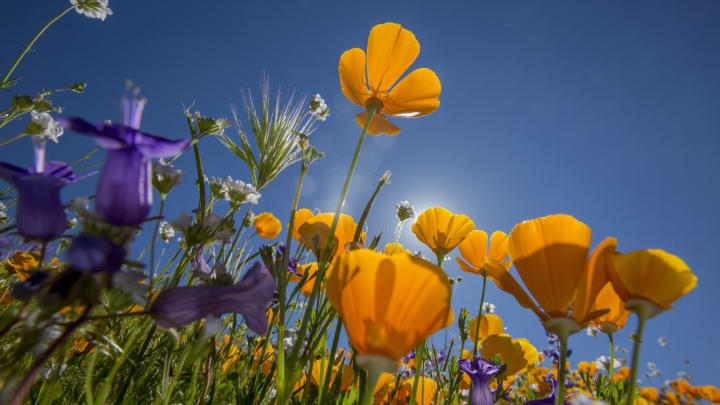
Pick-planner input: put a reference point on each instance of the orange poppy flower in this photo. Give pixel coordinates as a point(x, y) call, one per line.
point(490, 324)
point(314, 233)
point(441, 230)
point(267, 226)
point(550, 255)
point(391, 50)
point(301, 215)
point(475, 250)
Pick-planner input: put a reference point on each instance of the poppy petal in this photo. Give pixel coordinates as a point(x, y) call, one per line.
point(378, 125)
point(391, 50)
point(414, 96)
point(352, 76)
point(506, 282)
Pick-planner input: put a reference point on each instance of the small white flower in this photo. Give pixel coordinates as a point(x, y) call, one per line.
point(488, 308)
point(651, 366)
point(3, 214)
point(80, 206)
point(604, 363)
point(592, 331)
point(404, 210)
point(165, 176)
point(318, 108)
point(682, 375)
point(662, 341)
point(50, 128)
point(182, 223)
point(621, 350)
point(92, 8)
point(238, 192)
point(167, 232)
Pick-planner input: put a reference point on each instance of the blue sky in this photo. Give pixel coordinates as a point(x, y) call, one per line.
point(603, 110)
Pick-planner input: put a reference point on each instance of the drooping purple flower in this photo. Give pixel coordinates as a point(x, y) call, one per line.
point(199, 264)
point(292, 263)
point(550, 399)
point(40, 213)
point(251, 297)
point(480, 372)
point(95, 254)
point(124, 192)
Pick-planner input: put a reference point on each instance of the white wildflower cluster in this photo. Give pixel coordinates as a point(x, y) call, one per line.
point(208, 125)
point(80, 206)
point(234, 191)
point(604, 363)
point(662, 341)
point(592, 331)
point(165, 177)
point(167, 232)
point(621, 350)
point(683, 375)
point(43, 124)
point(404, 210)
point(318, 108)
point(488, 308)
point(92, 8)
point(3, 213)
point(212, 228)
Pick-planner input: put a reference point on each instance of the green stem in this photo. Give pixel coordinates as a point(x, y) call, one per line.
point(612, 355)
point(642, 317)
point(419, 361)
point(366, 211)
point(152, 251)
point(282, 280)
point(560, 395)
point(328, 372)
point(480, 312)
point(367, 396)
point(200, 176)
point(32, 42)
point(14, 138)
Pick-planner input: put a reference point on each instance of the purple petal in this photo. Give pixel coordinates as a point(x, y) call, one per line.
point(124, 193)
point(11, 172)
point(251, 297)
point(155, 146)
point(105, 135)
point(95, 254)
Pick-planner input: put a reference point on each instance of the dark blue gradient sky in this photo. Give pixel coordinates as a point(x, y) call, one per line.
point(604, 110)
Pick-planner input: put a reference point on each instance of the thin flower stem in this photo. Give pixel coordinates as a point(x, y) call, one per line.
point(396, 237)
point(200, 176)
point(419, 361)
point(328, 372)
point(560, 395)
point(31, 43)
point(87, 156)
point(13, 139)
point(612, 355)
point(152, 250)
point(237, 236)
point(32, 375)
point(642, 317)
point(366, 211)
point(367, 396)
point(480, 313)
point(282, 386)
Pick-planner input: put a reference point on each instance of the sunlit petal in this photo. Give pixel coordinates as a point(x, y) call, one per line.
point(352, 76)
point(414, 96)
point(378, 125)
point(391, 51)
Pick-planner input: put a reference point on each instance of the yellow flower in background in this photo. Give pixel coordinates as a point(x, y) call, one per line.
point(391, 49)
point(388, 304)
point(441, 230)
point(515, 355)
point(301, 215)
point(710, 393)
point(319, 369)
point(614, 320)
point(384, 388)
point(490, 324)
point(650, 394)
point(311, 270)
point(474, 249)
point(314, 233)
point(395, 248)
point(529, 351)
point(653, 276)
point(267, 226)
point(24, 262)
point(550, 255)
point(425, 393)
point(588, 367)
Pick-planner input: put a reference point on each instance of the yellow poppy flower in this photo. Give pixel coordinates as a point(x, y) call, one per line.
point(530, 352)
point(311, 270)
point(475, 250)
point(653, 276)
point(346, 378)
point(301, 215)
point(314, 233)
point(383, 388)
point(388, 304)
point(711, 393)
point(590, 368)
point(24, 262)
point(615, 319)
point(395, 248)
point(267, 226)
point(650, 394)
point(550, 255)
point(391, 50)
point(490, 324)
point(512, 352)
point(441, 230)
point(425, 392)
